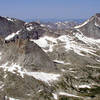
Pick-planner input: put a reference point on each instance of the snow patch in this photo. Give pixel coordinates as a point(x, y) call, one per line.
point(85, 39)
point(93, 67)
point(46, 77)
point(1, 86)
point(55, 96)
point(16, 69)
point(97, 25)
point(68, 42)
point(83, 86)
point(10, 98)
point(10, 19)
point(61, 62)
point(69, 95)
point(98, 60)
point(13, 99)
point(42, 25)
point(46, 42)
point(58, 61)
point(63, 70)
point(13, 68)
point(41, 42)
point(12, 35)
point(30, 28)
point(40, 91)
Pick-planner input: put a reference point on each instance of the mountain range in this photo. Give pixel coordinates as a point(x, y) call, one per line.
point(49, 61)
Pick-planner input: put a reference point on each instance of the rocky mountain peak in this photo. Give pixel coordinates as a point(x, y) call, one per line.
point(90, 27)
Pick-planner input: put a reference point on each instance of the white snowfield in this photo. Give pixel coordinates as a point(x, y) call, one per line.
point(12, 35)
point(46, 77)
point(42, 76)
point(71, 44)
point(48, 43)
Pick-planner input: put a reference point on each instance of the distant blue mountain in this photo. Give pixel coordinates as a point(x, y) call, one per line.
point(54, 20)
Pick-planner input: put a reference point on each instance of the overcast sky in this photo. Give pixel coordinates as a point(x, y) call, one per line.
point(49, 8)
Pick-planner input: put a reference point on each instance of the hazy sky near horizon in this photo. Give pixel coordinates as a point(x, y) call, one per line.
point(49, 8)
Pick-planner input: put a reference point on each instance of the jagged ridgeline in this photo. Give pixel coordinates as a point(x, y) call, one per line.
point(41, 61)
point(91, 27)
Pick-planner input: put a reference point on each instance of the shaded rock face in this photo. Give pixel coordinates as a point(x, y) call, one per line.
point(91, 27)
point(31, 30)
point(27, 54)
point(27, 30)
point(8, 26)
